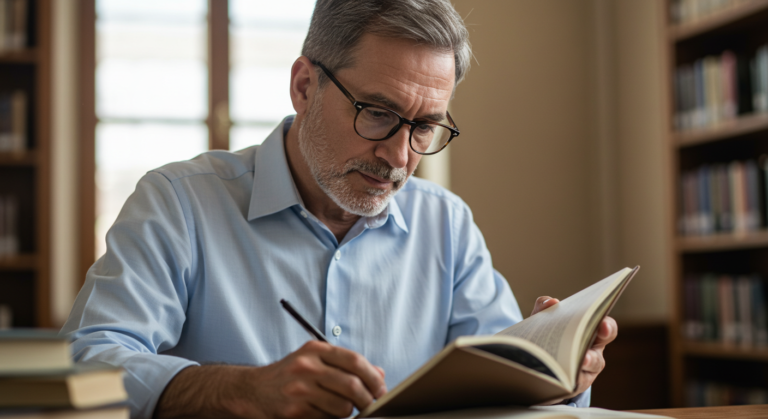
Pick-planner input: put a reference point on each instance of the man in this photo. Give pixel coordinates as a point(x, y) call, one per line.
point(322, 214)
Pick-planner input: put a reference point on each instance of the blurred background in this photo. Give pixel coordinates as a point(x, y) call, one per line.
point(596, 134)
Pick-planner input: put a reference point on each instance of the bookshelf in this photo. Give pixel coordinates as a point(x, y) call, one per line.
point(714, 346)
point(25, 170)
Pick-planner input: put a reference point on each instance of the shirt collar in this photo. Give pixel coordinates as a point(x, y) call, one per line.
point(274, 189)
point(273, 186)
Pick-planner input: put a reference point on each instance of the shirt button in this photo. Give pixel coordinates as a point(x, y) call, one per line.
point(336, 330)
point(304, 214)
point(337, 256)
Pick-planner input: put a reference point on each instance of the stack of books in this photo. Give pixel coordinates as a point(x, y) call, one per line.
point(38, 380)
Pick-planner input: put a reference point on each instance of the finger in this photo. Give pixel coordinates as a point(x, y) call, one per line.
point(593, 362)
point(543, 303)
point(606, 332)
point(329, 404)
point(381, 371)
point(585, 381)
point(357, 365)
point(348, 386)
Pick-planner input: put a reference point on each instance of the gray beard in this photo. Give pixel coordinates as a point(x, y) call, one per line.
point(333, 179)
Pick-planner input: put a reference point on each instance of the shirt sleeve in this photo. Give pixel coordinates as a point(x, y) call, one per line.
point(133, 303)
point(581, 400)
point(483, 301)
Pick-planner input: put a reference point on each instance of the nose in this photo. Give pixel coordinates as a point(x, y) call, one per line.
point(395, 149)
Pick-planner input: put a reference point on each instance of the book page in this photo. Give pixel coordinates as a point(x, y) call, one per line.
point(555, 329)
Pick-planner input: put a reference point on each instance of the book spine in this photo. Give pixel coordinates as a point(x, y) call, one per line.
point(759, 312)
point(4, 20)
point(9, 241)
point(744, 310)
point(6, 118)
point(18, 121)
point(6, 317)
point(728, 84)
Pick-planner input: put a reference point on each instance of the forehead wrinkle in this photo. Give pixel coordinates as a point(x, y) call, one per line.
point(421, 90)
point(383, 99)
point(427, 75)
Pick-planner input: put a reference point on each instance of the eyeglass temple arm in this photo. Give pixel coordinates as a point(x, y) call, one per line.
point(448, 114)
point(336, 82)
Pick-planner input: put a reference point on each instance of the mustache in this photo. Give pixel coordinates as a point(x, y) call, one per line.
point(378, 169)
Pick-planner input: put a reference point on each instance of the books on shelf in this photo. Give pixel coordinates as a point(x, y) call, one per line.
point(686, 11)
point(9, 218)
point(709, 393)
point(13, 24)
point(13, 121)
point(730, 309)
point(719, 88)
point(723, 198)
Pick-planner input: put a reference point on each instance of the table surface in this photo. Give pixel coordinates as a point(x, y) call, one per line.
point(719, 412)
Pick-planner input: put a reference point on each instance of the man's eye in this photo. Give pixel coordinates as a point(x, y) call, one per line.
point(377, 114)
point(425, 128)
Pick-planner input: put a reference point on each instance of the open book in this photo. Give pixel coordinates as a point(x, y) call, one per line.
point(532, 362)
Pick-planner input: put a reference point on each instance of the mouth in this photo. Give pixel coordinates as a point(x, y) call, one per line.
point(375, 181)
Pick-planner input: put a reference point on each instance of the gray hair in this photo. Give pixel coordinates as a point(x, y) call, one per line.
point(338, 25)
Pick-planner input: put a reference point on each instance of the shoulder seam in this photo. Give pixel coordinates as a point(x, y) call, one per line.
point(161, 171)
point(192, 251)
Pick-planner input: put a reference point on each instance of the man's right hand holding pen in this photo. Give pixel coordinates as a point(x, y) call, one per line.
point(319, 380)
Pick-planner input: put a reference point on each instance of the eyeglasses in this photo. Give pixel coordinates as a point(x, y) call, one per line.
point(377, 123)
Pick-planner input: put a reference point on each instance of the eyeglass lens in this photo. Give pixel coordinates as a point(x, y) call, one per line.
point(376, 124)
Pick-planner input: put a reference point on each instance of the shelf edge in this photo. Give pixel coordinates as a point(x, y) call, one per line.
point(681, 32)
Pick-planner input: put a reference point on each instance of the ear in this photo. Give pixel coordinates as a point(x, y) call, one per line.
point(303, 84)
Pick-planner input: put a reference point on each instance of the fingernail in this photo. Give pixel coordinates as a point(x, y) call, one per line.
point(545, 301)
point(382, 391)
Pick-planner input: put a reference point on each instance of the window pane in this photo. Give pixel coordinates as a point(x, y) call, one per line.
point(151, 61)
point(241, 137)
point(151, 94)
point(125, 152)
point(265, 39)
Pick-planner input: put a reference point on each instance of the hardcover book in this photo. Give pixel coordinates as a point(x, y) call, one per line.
point(532, 362)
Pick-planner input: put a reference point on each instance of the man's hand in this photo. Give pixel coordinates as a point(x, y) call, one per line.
point(593, 361)
point(317, 381)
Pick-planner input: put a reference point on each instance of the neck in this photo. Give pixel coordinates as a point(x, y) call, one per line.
point(315, 199)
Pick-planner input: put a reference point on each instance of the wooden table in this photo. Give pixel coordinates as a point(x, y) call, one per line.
point(720, 412)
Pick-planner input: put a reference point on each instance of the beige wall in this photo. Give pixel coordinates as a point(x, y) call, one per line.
point(560, 155)
point(642, 153)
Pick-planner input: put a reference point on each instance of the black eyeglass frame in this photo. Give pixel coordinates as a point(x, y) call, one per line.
point(403, 121)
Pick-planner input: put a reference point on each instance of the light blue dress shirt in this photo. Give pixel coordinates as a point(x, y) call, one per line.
point(203, 251)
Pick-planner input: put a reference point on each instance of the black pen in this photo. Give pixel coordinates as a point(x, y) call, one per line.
point(309, 328)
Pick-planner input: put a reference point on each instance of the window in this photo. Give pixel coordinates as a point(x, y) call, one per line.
point(155, 80)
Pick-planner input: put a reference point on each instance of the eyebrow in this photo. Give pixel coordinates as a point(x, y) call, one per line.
point(380, 98)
